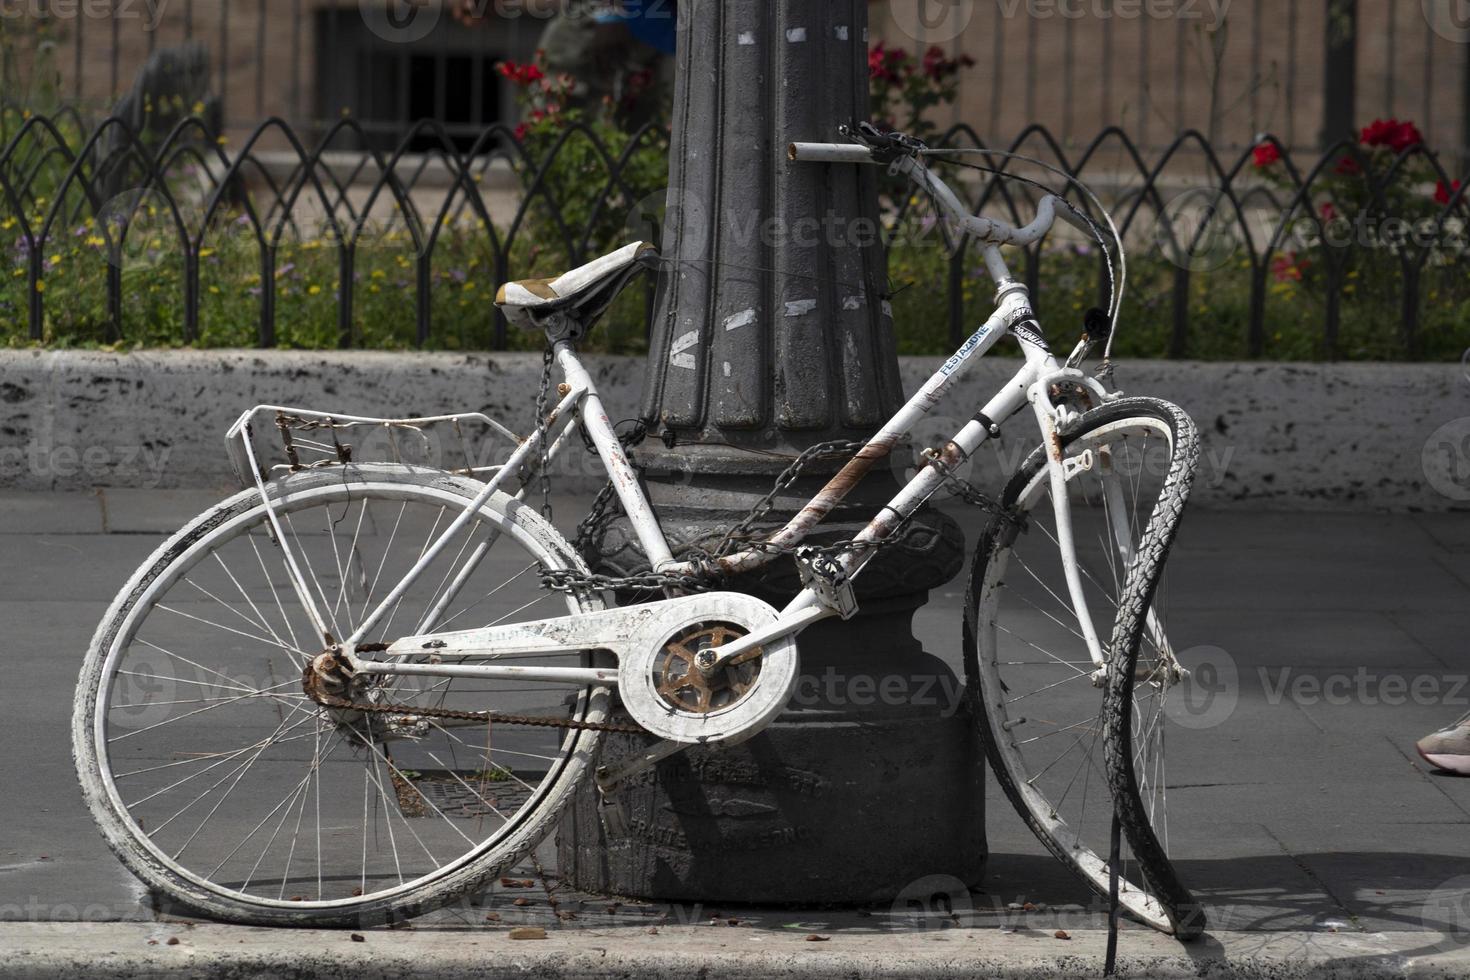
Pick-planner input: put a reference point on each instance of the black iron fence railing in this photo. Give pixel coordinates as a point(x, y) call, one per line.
point(110, 237)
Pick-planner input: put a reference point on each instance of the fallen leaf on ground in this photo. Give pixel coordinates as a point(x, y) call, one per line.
point(1029, 907)
point(653, 930)
point(522, 902)
point(814, 938)
point(492, 916)
point(173, 941)
point(1061, 934)
point(358, 937)
point(528, 932)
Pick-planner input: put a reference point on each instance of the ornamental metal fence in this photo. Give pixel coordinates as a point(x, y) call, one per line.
point(114, 236)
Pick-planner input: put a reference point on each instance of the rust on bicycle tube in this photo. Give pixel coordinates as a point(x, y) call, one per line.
point(837, 488)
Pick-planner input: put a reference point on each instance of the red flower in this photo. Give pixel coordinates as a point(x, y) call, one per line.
point(1266, 154)
point(1443, 192)
point(1397, 136)
point(521, 74)
point(1328, 212)
point(521, 131)
point(1286, 267)
point(1348, 167)
point(937, 66)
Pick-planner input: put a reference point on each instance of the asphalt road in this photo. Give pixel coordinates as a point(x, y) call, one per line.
point(1304, 808)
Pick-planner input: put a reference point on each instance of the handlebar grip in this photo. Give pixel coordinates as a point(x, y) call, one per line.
point(830, 153)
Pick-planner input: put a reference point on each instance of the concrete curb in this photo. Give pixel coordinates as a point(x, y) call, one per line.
point(1292, 436)
point(46, 950)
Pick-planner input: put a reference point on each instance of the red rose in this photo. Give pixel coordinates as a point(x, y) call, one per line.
point(1443, 192)
point(1397, 136)
point(1266, 154)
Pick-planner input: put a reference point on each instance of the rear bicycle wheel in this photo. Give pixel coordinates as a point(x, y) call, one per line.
point(222, 785)
point(1035, 689)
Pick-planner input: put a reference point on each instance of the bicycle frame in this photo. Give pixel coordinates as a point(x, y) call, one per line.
point(581, 405)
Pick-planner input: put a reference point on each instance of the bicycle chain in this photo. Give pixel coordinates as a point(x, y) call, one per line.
point(454, 714)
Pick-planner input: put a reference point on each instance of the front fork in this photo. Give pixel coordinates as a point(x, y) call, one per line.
point(1052, 418)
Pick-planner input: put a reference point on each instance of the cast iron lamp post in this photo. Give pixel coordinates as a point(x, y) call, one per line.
point(773, 333)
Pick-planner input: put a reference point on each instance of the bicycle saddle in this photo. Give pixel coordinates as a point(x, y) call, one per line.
point(583, 294)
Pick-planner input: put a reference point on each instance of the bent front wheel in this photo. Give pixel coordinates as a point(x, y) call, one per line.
point(1035, 688)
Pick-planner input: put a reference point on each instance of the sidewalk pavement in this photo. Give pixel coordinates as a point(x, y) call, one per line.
point(1318, 841)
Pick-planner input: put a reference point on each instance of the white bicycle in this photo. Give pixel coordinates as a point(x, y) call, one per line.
point(356, 690)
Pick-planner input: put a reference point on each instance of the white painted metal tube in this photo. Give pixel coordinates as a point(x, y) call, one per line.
point(830, 153)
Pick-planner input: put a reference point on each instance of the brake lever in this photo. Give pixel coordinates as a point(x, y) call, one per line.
point(886, 147)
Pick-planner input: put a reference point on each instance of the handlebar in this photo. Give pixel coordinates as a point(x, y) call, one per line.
point(989, 230)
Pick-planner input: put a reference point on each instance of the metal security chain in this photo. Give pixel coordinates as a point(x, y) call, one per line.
point(743, 535)
point(542, 431)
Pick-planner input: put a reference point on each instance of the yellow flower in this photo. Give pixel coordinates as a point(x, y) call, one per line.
point(205, 253)
point(56, 258)
point(313, 290)
point(214, 289)
point(198, 108)
point(96, 241)
point(379, 274)
point(40, 285)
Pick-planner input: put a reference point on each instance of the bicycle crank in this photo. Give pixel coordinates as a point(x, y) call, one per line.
point(664, 674)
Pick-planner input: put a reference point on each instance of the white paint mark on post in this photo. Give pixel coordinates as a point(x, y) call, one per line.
point(680, 355)
point(887, 309)
point(800, 307)
point(748, 38)
point(842, 33)
point(726, 368)
point(796, 35)
point(742, 319)
point(852, 302)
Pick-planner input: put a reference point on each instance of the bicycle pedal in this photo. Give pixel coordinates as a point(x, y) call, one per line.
point(825, 577)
